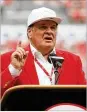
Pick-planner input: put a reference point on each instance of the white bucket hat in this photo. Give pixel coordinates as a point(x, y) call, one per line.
point(42, 14)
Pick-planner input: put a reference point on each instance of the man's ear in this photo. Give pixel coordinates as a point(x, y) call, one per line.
point(29, 33)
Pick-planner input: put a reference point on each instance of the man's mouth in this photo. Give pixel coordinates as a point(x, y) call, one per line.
point(48, 38)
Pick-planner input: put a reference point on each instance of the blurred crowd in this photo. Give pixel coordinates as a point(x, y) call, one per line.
point(76, 10)
point(73, 10)
point(17, 11)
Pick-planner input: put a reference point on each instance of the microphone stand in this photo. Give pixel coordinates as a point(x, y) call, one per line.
point(56, 67)
point(57, 63)
point(56, 75)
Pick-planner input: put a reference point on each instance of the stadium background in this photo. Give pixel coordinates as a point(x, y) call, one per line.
point(71, 32)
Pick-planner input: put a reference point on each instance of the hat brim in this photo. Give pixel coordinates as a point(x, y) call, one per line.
point(55, 19)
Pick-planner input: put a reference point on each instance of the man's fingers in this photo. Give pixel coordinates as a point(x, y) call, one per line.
point(21, 50)
point(18, 59)
point(19, 44)
point(26, 54)
point(17, 55)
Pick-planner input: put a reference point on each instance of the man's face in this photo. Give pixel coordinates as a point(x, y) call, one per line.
point(43, 35)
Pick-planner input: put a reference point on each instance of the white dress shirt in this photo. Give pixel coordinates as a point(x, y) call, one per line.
point(42, 76)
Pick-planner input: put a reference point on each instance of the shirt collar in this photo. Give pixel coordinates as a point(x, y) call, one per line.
point(35, 52)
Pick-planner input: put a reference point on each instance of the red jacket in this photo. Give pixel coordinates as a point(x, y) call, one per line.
point(70, 74)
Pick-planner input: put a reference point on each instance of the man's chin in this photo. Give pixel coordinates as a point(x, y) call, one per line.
point(49, 44)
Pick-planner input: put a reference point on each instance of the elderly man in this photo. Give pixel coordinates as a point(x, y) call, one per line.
point(30, 65)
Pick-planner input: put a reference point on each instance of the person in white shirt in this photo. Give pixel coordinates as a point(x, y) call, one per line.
point(42, 37)
point(31, 66)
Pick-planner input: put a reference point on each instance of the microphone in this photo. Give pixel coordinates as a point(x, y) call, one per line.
point(55, 60)
point(57, 63)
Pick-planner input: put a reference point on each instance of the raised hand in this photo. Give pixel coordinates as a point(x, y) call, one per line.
point(18, 57)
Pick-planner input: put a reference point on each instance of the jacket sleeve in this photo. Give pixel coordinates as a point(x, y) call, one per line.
point(7, 80)
point(81, 78)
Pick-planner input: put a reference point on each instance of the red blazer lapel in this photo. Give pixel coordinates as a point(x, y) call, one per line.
point(30, 68)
